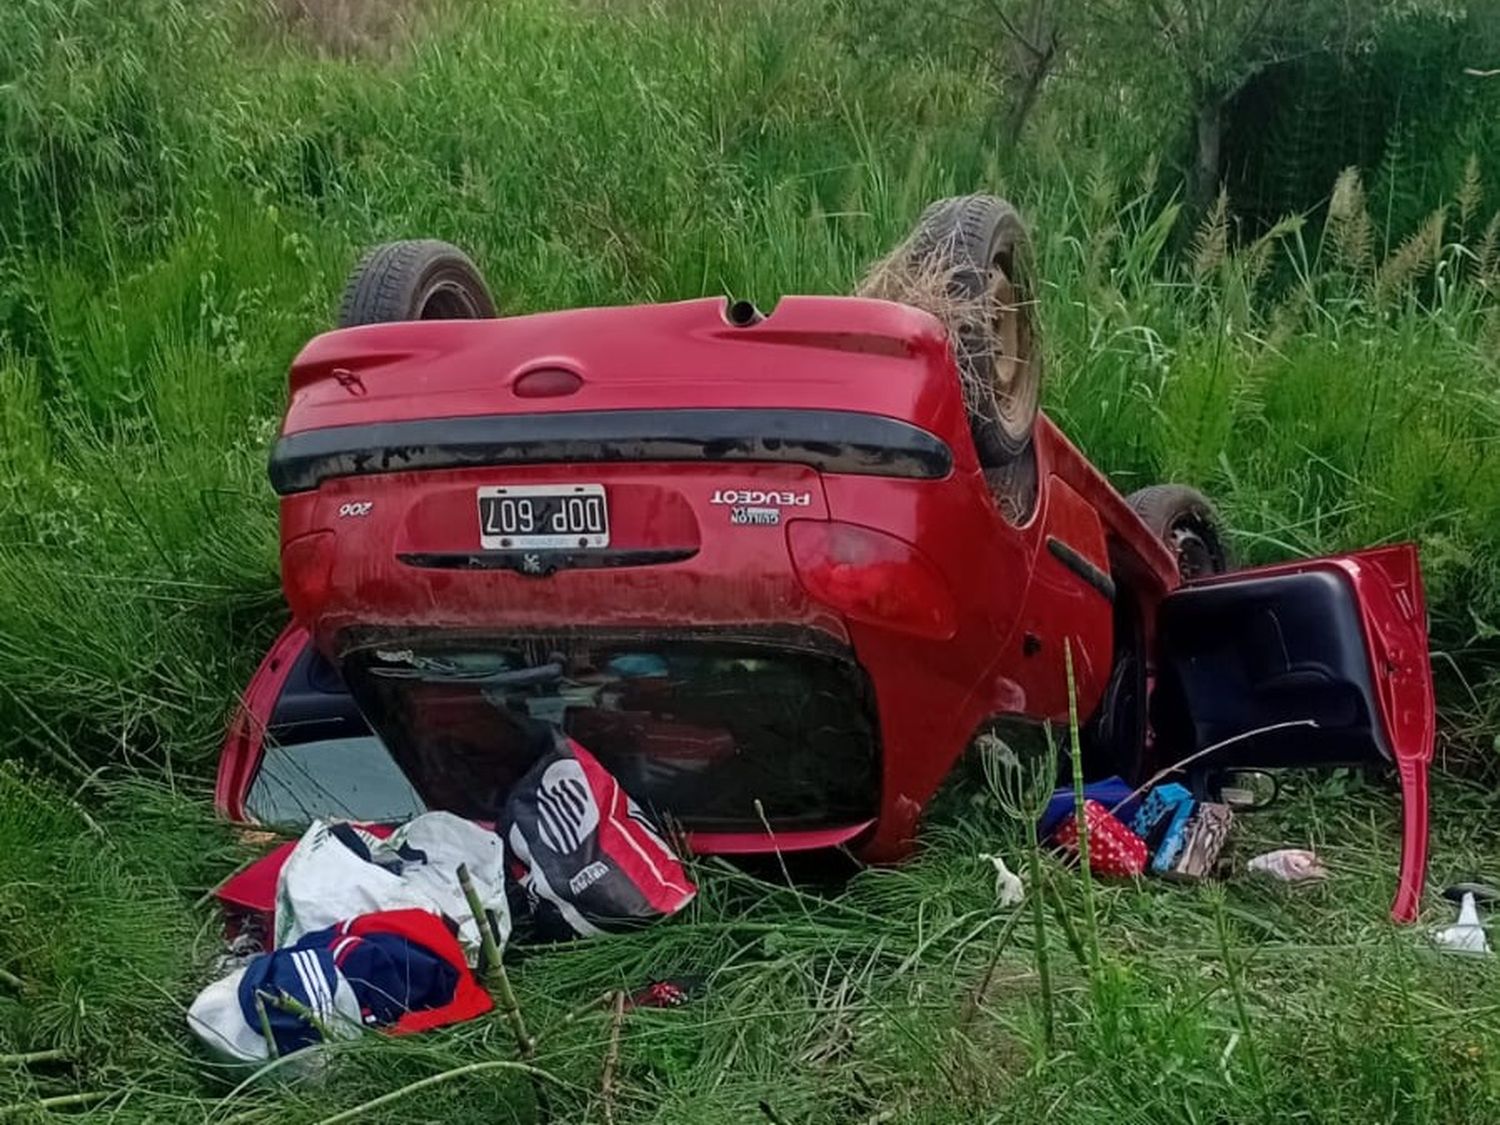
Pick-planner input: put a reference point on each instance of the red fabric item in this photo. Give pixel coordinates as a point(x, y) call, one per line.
point(431, 933)
point(1113, 848)
point(253, 887)
point(659, 994)
point(636, 850)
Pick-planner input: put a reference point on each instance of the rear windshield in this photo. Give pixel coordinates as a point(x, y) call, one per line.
point(696, 731)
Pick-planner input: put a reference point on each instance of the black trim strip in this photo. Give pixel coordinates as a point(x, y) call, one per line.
point(1070, 557)
point(793, 637)
point(835, 441)
point(540, 564)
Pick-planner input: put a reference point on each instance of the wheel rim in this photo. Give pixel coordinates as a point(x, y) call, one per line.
point(1197, 548)
point(447, 301)
point(1013, 381)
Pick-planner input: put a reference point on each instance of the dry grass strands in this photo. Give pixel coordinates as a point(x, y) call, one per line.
point(929, 278)
point(1488, 253)
point(928, 281)
point(1470, 192)
point(1255, 261)
point(1211, 241)
point(346, 28)
point(1411, 261)
point(991, 330)
point(1349, 230)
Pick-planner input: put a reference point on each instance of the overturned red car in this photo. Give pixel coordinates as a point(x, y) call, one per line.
point(775, 572)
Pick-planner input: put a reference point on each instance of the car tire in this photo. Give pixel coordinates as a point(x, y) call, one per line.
point(1183, 519)
point(414, 279)
point(968, 262)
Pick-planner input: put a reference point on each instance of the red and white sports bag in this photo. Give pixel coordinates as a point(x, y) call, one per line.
point(586, 858)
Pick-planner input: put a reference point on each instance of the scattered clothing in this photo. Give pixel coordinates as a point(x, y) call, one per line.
point(401, 970)
point(407, 968)
point(1113, 793)
point(1113, 848)
point(1203, 837)
point(664, 994)
point(249, 895)
point(586, 858)
point(340, 871)
point(1162, 822)
point(242, 945)
point(1290, 865)
point(372, 929)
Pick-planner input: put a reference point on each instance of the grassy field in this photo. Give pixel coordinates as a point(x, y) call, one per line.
point(184, 187)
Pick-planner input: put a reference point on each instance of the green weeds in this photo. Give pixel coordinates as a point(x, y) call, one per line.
point(181, 190)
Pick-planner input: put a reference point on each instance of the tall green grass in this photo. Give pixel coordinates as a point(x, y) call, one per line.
point(909, 993)
point(182, 188)
point(182, 215)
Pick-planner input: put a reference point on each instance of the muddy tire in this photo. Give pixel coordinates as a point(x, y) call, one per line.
point(968, 261)
point(1183, 519)
point(415, 279)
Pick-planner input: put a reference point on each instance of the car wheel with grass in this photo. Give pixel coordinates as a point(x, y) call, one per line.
point(968, 262)
point(414, 279)
point(1183, 519)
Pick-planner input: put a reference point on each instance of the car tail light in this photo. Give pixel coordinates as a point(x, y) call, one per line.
point(306, 573)
point(873, 577)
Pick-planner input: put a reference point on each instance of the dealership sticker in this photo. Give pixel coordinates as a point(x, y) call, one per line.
point(755, 517)
point(754, 507)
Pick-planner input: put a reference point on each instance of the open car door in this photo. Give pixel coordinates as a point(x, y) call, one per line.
point(1316, 662)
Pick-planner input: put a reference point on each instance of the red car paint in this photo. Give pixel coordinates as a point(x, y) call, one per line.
point(245, 740)
point(966, 623)
point(933, 692)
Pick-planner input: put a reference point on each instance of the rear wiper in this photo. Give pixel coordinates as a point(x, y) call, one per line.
point(515, 677)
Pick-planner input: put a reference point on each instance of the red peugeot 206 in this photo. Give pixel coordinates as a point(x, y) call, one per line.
point(775, 572)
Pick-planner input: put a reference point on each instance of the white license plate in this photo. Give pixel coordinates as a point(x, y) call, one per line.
point(543, 517)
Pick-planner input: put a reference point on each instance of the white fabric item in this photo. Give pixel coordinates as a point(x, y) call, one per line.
point(1467, 934)
point(1009, 889)
point(1292, 865)
point(218, 1021)
point(323, 882)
